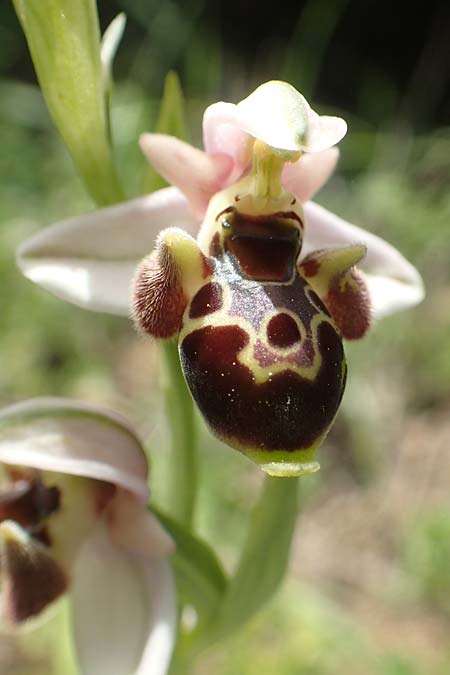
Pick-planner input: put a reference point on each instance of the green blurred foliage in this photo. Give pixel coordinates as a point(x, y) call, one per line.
point(427, 555)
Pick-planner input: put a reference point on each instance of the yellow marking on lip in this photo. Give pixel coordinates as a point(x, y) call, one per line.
point(261, 374)
point(265, 373)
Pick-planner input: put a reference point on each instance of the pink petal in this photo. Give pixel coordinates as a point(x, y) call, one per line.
point(306, 176)
point(66, 436)
point(90, 260)
point(394, 283)
point(136, 529)
point(222, 134)
point(198, 175)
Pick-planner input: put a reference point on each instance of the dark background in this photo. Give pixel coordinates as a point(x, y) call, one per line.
point(396, 55)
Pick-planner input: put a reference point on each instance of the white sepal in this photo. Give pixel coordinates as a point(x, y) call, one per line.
point(394, 283)
point(90, 260)
point(71, 437)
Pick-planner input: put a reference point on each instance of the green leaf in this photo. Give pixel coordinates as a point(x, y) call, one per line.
point(200, 579)
point(264, 559)
point(171, 118)
point(171, 121)
point(64, 42)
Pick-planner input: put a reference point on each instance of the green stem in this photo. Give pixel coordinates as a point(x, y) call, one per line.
point(265, 556)
point(183, 429)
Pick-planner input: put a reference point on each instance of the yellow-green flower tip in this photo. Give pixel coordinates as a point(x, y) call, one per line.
point(289, 469)
point(285, 464)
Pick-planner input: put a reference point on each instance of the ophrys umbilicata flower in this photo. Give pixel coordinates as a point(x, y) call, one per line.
point(74, 518)
point(260, 327)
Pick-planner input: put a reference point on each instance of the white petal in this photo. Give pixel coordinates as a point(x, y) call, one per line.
point(393, 282)
point(275, 113)
point(90, 260)
point(197, 174)
point(306, 176)
point(323, 132)
point(124, 611)
point(72, 437)
point(162, 630)
point(279, 115)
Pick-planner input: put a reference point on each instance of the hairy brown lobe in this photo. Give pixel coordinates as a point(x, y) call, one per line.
point(350, 305)
point(159, 300)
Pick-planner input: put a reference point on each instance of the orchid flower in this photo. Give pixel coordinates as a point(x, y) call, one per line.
point(90, 260)
point(73, 518)
point(275, 370)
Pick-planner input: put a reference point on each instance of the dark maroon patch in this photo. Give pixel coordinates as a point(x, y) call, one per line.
point(310, 267)
point(32, 580)
point(287, 412)
point(264, 248)
point(28, 502)
point(206, 301)
point(263, 259)
point(282, 331)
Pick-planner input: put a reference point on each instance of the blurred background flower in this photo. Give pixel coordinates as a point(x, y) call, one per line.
point(75, 520)
point(368, 591)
